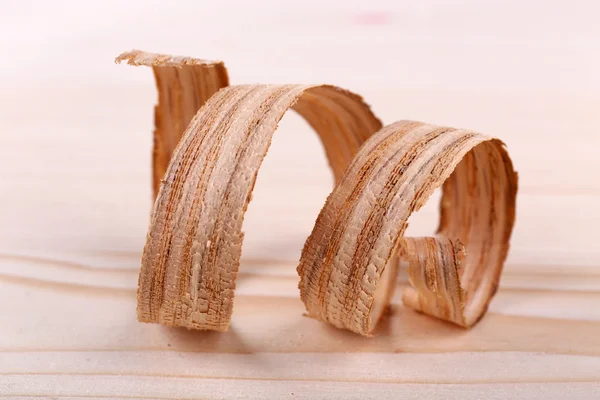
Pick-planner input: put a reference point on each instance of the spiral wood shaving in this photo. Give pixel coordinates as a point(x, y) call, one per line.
point(209, 142)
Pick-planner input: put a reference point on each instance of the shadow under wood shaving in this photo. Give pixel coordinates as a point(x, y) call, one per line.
point(182, 339)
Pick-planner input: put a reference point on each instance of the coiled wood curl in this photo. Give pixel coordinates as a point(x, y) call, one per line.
point(209, 145)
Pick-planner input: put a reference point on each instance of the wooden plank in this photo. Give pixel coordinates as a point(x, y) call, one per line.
point(182, 388)
point(263, 323)
point(409, 368)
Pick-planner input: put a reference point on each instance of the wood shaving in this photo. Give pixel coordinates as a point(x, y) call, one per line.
point(210, 141)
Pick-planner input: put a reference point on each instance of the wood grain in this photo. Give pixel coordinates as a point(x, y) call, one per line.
point(75, 166)
point(184, 84)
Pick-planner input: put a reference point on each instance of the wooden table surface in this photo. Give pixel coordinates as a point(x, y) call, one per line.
point(75, 196)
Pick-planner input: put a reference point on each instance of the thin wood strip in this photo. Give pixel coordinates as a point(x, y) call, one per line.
point(184, 84)
point(434, 273)
point(348, 264)
point(341, 269)
point(188, 274)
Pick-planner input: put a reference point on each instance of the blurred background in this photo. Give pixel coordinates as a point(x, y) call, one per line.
point(76, 128)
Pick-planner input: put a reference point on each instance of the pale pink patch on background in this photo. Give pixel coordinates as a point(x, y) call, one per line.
point(373, 18)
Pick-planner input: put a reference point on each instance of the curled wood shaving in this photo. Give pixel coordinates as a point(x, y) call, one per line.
point(364, 220)
point(184, 84)
point(349, 263)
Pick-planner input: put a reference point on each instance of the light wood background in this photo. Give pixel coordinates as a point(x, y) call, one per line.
point(75, 197)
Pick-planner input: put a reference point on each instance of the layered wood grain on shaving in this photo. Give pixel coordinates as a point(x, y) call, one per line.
point(348, 264)
point(184, 84)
